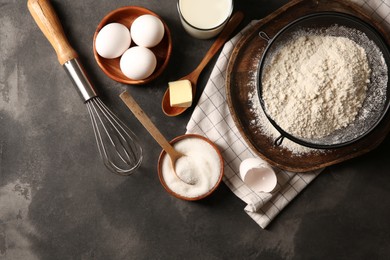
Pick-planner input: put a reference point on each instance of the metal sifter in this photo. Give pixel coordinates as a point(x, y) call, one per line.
point(377, 101)
point(117, 144)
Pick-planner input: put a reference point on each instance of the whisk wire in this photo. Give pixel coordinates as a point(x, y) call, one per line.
point(114, 122)
point(104, 126)
point(98, 137)
point(101, 132)
point(111, 133)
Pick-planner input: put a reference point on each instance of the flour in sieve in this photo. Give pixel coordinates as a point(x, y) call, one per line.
point(316, 84)
point(373, 105)
point(260, 122)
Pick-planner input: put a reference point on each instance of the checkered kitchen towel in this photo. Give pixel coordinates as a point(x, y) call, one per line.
point(212, 119)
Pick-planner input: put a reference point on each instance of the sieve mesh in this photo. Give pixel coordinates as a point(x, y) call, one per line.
point(377, 99)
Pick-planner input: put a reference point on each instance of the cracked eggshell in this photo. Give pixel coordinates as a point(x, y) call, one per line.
point(258, 175)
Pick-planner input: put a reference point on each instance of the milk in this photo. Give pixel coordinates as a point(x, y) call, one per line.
point(204, 19)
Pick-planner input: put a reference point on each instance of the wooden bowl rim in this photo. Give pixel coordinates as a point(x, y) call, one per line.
point(124, 79)
point(163, 153)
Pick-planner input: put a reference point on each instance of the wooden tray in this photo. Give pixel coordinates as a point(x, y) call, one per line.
point(247, 54)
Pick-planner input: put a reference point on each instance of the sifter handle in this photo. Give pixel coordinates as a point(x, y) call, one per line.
point(47, 20)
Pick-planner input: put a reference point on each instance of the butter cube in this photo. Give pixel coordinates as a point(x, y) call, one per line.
point(180, 93)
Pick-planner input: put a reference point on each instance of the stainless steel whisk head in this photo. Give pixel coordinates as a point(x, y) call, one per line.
point(118, 146)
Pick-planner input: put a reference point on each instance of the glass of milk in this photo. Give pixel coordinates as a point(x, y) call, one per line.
point(204, 19)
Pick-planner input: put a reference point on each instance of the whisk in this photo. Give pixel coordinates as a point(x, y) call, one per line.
point(117, 144)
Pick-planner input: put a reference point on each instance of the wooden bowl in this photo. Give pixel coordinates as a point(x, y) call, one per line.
point(179, 196)
point(126, 15)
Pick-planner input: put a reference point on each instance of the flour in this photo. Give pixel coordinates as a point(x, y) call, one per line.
point(261, 123)
point(369, 113)
point(316, 85)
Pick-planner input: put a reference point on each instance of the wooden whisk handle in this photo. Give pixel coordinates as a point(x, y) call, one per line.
point(47, 20)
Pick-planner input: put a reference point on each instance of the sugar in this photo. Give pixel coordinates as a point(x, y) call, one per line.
point(200, 166)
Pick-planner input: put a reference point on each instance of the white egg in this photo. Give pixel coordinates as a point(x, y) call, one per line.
point(138, 63)
point(147, 30)
point(112, 40)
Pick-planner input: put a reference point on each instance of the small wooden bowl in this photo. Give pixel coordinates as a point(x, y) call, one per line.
point(179, 196)
point(126, 15)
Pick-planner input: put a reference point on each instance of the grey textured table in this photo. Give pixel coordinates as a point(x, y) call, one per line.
point(57, 201)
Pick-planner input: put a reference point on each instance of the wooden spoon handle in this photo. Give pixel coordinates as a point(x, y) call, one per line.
point(232, 24)
point(148, 124)
point(47, 20)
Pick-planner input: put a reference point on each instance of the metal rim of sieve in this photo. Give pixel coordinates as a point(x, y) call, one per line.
point(294, 25)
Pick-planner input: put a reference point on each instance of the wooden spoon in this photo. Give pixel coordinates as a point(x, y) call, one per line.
point(174, 155)
point(193, 76)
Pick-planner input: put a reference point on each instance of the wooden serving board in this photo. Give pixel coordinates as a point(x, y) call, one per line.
point(246, 56)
